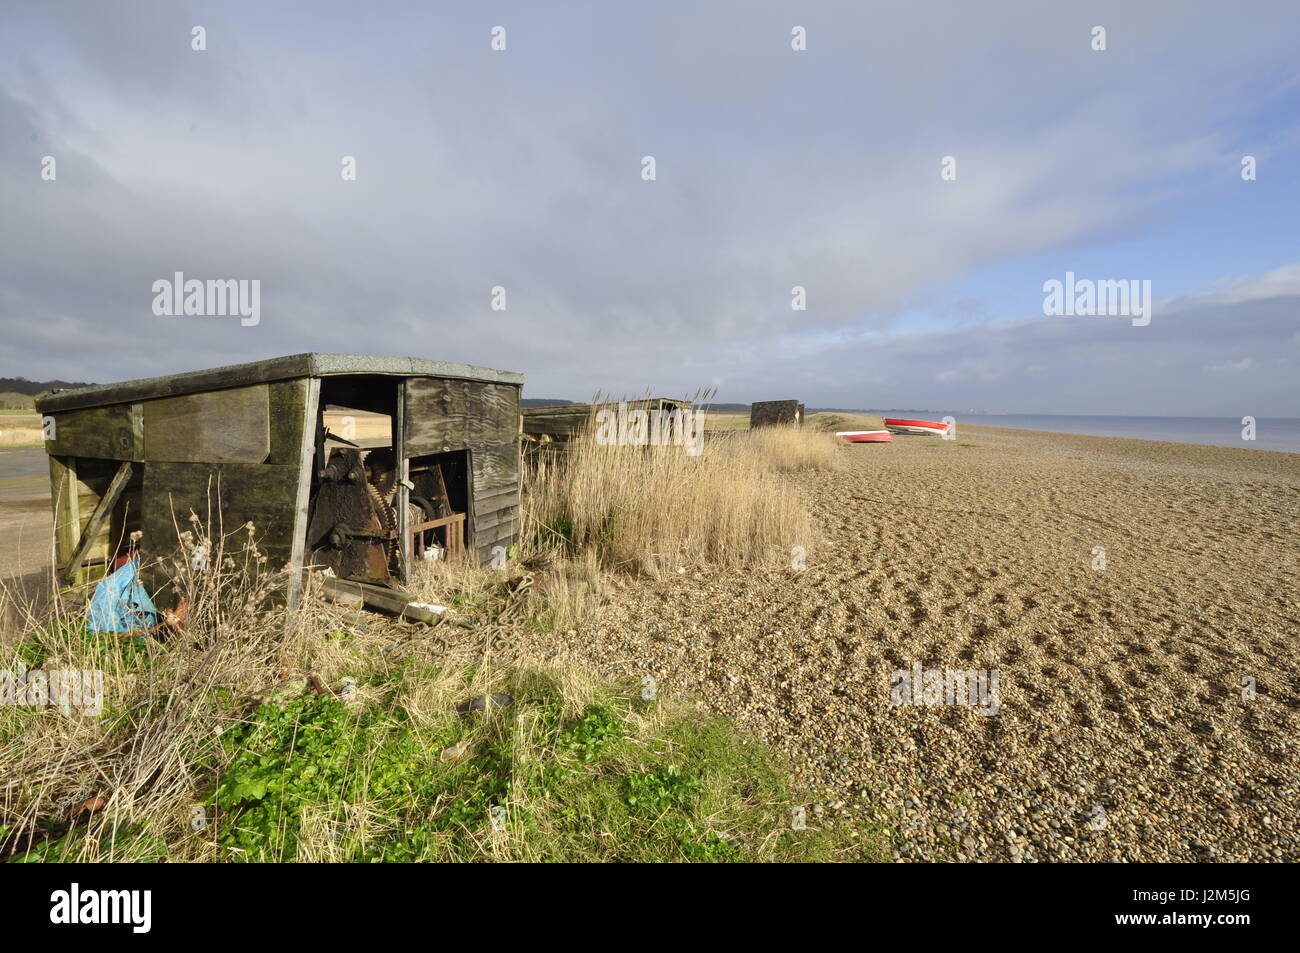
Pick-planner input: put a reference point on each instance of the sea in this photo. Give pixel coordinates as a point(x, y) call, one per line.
point(1271, 433)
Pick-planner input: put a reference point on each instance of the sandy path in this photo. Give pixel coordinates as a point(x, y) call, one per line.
point(1122, 731)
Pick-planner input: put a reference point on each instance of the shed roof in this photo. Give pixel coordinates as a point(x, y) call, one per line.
point(261, 372)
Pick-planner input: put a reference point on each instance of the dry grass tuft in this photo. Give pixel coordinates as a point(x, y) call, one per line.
point(783, 449)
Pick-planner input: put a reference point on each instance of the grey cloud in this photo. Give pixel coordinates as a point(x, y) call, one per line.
point(1205, 355)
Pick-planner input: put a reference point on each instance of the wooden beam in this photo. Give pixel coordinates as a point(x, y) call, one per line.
point(104, 433)
point(403, 492)
point(223, 426)
point(439, 522)
point(101, 513)
point(381, 598)
point(306, 470)
point(67, 513)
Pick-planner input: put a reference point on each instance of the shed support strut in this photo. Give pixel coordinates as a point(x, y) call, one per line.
point(96, 523)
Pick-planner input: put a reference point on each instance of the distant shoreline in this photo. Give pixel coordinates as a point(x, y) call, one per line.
point(1275, 434)
point(1190, 444)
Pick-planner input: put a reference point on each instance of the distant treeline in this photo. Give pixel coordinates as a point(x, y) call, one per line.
point(544, 402)
point(21, 385)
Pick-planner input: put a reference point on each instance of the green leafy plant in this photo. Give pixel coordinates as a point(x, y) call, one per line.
point(661, 790)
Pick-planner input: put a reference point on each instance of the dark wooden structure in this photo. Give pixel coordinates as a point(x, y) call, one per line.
point(775, 413)
point(562, 423)
point(249, 443)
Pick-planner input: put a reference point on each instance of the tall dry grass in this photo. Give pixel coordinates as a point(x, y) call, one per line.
point(782, 449)
point(539, 588)
point(654, 510)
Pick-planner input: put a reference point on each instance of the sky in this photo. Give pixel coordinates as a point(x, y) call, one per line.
point(774, 168)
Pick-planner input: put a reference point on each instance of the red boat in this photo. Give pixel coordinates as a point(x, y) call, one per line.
point(897, 425)
point(865, 436)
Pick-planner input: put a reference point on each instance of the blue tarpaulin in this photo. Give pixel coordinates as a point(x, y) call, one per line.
point(120, 603)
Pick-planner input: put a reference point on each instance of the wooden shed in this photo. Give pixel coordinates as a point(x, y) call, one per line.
point(440, 475)
point(564, 422)
point(775, 413)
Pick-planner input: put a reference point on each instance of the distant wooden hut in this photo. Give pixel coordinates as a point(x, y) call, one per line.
point(562, 423)
point(775, 413)
point(249, 443)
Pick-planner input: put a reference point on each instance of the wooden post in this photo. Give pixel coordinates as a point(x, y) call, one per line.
point(403, 492)
point(307, 468)
point(67, 509)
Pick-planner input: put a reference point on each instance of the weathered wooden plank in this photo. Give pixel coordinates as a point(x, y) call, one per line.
point(496, 468)
point(137, 430)
point(485, 503)
point(381, 598)
point(403, 490)
point(311, 417)
point(90, 486)
point(91, 532)
point(435, 418)
point(491, 521)
point(443, 415)
point(495, 507)
point(104, 433)
point(288, 403)
point(225, 426)
point(493, 411)
point(558, 421)
point(504, 491)
point(484, 547)
point(67, 512)
point(224, 496)
point(551, 427)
